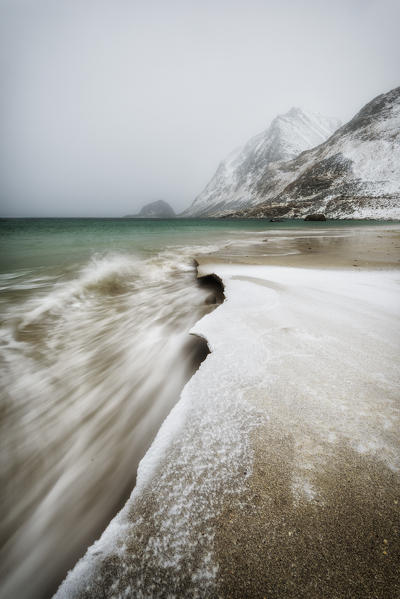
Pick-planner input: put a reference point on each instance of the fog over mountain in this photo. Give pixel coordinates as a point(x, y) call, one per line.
point(108, 105)
point(353, 171)
point(354, 174)
point(156, 209)
point(236, 181)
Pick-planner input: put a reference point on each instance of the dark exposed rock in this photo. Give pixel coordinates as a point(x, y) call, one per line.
point(320, 176)
point(315, 217)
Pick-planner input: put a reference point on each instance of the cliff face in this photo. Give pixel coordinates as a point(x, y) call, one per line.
point(354, 174)
point(236, 182)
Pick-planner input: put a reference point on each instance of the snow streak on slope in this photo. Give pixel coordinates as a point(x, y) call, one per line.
point(235, 182)
point(355, 173)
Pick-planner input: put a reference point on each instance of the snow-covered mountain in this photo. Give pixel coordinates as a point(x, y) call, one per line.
point(235, 183)
point(354, 174)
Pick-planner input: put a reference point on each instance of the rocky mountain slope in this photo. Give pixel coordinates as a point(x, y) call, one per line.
point(237, 180)
point(354, 174)
point(157, 209)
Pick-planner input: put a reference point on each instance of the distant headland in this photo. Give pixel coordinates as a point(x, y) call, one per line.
point(157, 209)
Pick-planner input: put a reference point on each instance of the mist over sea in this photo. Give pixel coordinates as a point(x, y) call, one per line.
point(94, 352)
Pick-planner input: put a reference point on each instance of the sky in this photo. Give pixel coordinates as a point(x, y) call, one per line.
point(106, 105)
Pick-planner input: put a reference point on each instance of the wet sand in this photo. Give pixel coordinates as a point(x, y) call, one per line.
point(321, 247)
point(342, 543)
point(342, 540)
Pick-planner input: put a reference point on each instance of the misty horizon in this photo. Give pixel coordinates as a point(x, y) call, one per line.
point(107, 107)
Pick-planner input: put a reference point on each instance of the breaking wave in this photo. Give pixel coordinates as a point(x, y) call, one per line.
point(90, 368)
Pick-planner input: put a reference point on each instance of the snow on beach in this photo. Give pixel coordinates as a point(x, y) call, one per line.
point(302, 354)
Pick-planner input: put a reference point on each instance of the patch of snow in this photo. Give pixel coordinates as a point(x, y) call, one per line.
point(309, 355)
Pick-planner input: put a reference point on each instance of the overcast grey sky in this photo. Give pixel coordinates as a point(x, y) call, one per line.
point(108, 104)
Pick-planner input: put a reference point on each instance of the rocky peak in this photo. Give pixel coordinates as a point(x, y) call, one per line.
point(234, 184)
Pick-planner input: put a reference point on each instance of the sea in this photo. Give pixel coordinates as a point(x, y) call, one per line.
point(95, 349)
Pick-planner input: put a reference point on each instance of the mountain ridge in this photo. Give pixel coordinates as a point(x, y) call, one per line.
point(353, 174)
point(236, 177)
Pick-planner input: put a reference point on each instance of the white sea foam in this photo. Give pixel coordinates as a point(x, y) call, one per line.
point(90, 367)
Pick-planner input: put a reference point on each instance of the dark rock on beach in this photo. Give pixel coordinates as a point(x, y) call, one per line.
point(315, 217)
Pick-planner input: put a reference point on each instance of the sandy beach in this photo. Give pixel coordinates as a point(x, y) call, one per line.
point(320, 513)
point(320, 247)
point(277, 473)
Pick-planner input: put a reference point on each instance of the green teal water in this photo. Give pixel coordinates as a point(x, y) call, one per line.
point(37, 242)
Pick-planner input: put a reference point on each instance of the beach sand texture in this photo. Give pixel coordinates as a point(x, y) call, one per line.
point(277, 473)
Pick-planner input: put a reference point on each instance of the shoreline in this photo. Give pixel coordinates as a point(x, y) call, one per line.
point(353, 247)
point(277, 472)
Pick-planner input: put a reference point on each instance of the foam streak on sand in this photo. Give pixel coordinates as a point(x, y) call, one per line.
point(302, 381)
